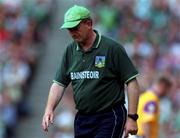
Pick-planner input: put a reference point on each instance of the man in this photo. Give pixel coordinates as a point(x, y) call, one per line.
point(98, 68)
point(148, 109)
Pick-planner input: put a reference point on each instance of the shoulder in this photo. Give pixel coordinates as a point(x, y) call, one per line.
point(150, 95)
point(70, 47)
point(109, 41)
point(112, 44)
point(67, 52)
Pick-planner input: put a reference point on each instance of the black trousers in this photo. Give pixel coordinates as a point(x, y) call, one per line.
point(108, 124)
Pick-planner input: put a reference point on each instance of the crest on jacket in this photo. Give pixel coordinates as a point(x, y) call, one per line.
point(100, 61)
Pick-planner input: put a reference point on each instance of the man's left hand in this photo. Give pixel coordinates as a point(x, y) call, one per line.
point(130, 127)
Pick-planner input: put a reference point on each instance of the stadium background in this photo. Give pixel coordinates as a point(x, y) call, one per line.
point(31, 46)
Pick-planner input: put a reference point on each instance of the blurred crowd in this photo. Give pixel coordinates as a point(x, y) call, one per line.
point(24, 24)
point(150, 32)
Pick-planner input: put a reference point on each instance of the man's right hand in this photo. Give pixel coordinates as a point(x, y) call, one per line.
point(55, 95)
point(48, 119)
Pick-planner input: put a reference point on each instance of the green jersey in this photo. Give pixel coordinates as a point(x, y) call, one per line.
point(97, 75)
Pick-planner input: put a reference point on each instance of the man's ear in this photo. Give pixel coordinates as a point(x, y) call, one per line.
point(89, 23)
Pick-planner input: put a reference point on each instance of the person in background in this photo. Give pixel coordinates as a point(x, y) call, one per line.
point(148, 108)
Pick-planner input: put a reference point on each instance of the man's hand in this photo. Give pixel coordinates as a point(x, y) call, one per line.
point(55, 95)
point(130, 127)
point(47, 119)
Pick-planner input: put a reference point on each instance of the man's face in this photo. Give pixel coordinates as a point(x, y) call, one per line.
point(80, 32)
point(164, 89)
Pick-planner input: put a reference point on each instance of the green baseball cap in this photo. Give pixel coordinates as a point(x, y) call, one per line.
point(74, 16)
